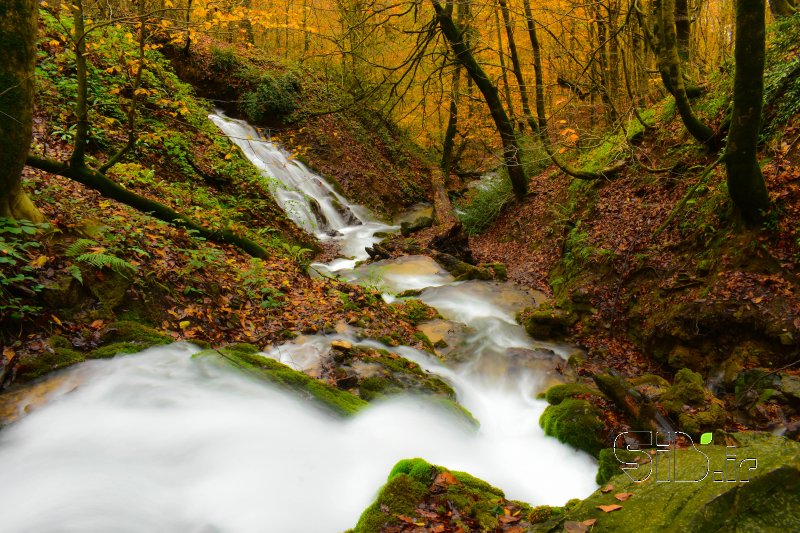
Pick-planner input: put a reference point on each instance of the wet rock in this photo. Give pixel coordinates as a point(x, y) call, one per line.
point(461, 270)
point(576, 423)
point(407, 228)
point(641, 412)
point(767, 502)
point(695, 408)
point(546, 322)
point(457, 500)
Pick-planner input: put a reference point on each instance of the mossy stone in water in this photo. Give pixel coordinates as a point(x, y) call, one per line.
point(31, 366)
point(129, 331)
point(413, 482)
point(266, 369)
point(574, 422)
point(558, 393)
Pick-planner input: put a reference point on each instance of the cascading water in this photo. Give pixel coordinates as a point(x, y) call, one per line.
point(161, 441)
point(309, 200)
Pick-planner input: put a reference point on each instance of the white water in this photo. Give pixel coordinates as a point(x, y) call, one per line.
point(298, 190)
point(163, 442)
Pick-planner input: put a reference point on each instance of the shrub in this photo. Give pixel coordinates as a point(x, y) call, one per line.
point(223, 60)
point(485, 203)
point(274, 97)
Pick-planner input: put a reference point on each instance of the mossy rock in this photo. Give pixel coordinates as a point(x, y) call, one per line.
point(705, 412)
point(609, 465)
point(460, 499)
point(574, 422)
point(767, 502)
point(340, 402)
point(121, 337)
point(134, 332)
point(558, 393)
point(31, 367)
point(547, 322)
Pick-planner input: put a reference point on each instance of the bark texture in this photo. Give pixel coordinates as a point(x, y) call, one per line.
point(18, 42)
point(745, 181)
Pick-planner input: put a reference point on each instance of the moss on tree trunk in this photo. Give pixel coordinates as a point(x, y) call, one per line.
point(18, 42)
point(745, 181)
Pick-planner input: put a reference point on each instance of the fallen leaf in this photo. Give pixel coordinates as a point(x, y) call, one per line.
point(622, 496)
point(607, 489)
point(445, 478)
point(575, 527)
point(609, 508)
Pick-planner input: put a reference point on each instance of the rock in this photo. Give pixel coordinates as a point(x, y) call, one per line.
point(466, 502)
point(767, 502)
point(260, 367)
point(695, 408)
point(574, 422)
point(342, 345)
point(461, 270)
point(546, 322)
point(407, 228)
point(641, 412)
point(790, 388)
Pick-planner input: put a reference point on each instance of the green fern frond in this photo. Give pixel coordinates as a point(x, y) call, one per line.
point(101, 260)
point(80, 247)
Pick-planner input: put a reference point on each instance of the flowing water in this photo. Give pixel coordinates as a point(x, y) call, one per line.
point(160, 441)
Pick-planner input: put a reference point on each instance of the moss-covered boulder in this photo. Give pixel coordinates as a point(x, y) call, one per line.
point(720, 500)
point(575, 422)
point(558, 393)
point(547, 322)
point(419, 496)
point(117, 338)
point(694, 407)
point(263, 368)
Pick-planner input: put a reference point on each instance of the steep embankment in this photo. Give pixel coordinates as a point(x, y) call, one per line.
point(652, 271)
point(66, 285)
point(372, 161)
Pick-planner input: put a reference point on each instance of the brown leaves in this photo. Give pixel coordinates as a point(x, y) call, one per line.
point(623, 496)
point(609, 508)
point(445, 478)
point(579, 527)
point(607, 489)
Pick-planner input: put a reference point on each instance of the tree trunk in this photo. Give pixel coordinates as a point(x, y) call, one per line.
point(515, 63)
point(541, 126)
point(503, 70)
point(745, 181)
point(81, 77)
point(452, 124)
point(511, 150)
point(669, 65)
point(782, 8)
point(18, 19)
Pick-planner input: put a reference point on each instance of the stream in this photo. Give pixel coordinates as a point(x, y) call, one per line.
point(160, 441)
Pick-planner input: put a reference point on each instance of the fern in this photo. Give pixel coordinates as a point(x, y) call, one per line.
point(79, 247)
point(90, 252)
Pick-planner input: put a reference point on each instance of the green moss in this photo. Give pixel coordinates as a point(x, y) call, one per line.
point(32, 366)
point(399, 496)
point(340, 402)
point(766, 503)
point(558, 393)
point(375, 388)
point(608, 464)
point(116, 348)
point(417, 469)
point(574, 422)
point(128, 331)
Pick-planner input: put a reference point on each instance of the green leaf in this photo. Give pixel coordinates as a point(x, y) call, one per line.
point(706, 438)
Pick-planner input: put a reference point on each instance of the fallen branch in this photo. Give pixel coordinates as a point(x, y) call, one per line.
point(108, 188)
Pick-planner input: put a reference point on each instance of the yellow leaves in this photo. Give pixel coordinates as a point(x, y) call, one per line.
point(56, 320)
point(43, 4)
point(40, 261)
point(54, 43)
point(129, 36)
point(183, 324)
point(228, 156)
point(141, 92)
